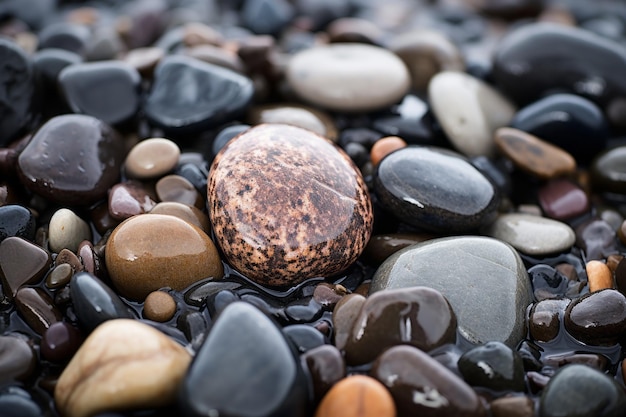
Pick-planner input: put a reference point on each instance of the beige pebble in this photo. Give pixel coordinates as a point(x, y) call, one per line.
point(122, 365)
point(152, 158)
point(357, 396)
point(179, 189)
point(67, 230)
point(185, 212)
point(599, 276)
point(159, 306)
point(295, 115)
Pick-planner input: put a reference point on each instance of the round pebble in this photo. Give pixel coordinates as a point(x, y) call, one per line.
point(561, 199)
point(67, 230)
point(60, 342)
point(185, 212)
point(152, 158)
point(384, 146)
point(348, 77)
point(151, 251)
point(315, 221)
point(177, 188)
point(159, 306)
point(357, 396)
point(598, 318)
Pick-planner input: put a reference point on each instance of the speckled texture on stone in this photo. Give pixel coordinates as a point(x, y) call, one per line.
point(287, 205)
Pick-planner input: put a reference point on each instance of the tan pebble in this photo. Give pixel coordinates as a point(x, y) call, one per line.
point(179, 189)
point(122, 365)
point(384, 146)
point(67, 230)
point(357, 396)
point(295, 115)
point(159, 306)
point(513, 406)
point(59, 276)
point(599, 276)
point(66, 256)
point(185, 212)
point(152, 251)
point(152, 158)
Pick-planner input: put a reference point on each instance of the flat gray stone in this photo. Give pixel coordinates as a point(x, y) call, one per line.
point(532, 235)
point(484, 280)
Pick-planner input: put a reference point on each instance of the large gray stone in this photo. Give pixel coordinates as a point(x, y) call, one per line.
point(484, 280)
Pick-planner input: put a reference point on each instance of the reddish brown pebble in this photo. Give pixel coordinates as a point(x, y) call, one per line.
point(357, 396)
point(384, 146)
point(287, 205)
point(561, 199)
point(159, 306)
point(533, 155)
point(599, 276)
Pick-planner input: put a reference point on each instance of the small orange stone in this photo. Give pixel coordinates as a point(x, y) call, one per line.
point(357, 396)
point(159, 306)
point(384, 146)
point(599, 276)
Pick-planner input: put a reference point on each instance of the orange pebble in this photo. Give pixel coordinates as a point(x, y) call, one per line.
point(384, 146)
point(599, 276)
point(357, 396)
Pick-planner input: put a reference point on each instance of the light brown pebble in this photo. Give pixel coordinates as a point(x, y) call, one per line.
point(384, 146)
point(295, 115)
point(185, 212)
point(533, 155)
point(59, 276)
point(357, 396)
point(159, 306)
point(513, 406)
point(94, 381)
point(152, 158)
point(599, 276)
point(152, 251)
point(179, 189)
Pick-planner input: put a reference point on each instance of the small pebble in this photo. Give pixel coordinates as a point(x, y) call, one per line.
point(60, 342)
point(561, 199)
point(128, 199)
point(357, 396)
point(384, 146)
point(152, 158)
point(159, 306)
point(599, 276)
point(179, 189)
point(67, 230)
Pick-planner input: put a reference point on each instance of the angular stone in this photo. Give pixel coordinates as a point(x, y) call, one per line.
point(484, 280)
point(21, 262)
point(287, 205)
point(94, 382)
point(129, 199)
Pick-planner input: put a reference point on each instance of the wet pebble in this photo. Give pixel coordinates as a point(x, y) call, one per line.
point(151, 251)
point(60, 342)
point(348, 77)
point(599, 276)
point(178, 189)
point(494, 366)
point(384, 146)
point(279, 386)
point(295, 115)
point(152, 158)
point(17, 358)
point(315, 222)
point(485, 271)
point(561, 199)
point(59, 276)
point(469, 111)
point(95, 302)
point(422, 186)
point(66, 230)
point(37, 309)
point(93, 381)
point(597, 238)
point(96, 153)
point(304, 337)
point(357, 396)
point(545, 319)
point(128, 199)
point(190, 214)
point(400, 316)
point(579, 390)
point(533, 235)
point(16, 220)
point(159, 306)
point(420, 385)
point(597, 318)
point(21, 262)
point(326, 366)
point(607, 171)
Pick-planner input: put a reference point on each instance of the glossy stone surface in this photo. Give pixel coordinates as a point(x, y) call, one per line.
point(106, 90)
point(469, 111)
point(357, 396)
point(152, 158)
point(533, 235)
point(487, 284)
point(217, 371)
point(380, 247)
point(286, 205)
point(417, 316)
point(94, 302)
point(420, 385)
point(561, 199)
point(493, 365)
point(16, 220)
point(21, 262)
point(129, 198)
point(66, 230)
point(326, 366)
point(545, 319)
point(568, 121)
point(348, 77)
point(597, 318)
point(151, 251)
point(435, 189)
point(37, 308)
point(16, 90)
point(60, 341)
point(189, 95)
point(187, 213)
point(72, 159)
point(94, 381)
point(608, 171)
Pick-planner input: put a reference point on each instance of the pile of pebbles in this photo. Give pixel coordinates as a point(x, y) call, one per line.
point(327, 208)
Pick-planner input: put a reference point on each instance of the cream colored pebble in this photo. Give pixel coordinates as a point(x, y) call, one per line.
point(599, 276)
point(66, 230)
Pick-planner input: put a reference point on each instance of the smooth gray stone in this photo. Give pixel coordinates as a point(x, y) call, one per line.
point(484, 280)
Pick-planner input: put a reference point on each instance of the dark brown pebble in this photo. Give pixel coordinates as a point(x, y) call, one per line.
point(37, 309)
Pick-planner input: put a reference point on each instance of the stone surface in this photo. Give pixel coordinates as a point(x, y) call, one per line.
point(562, 199)
point(384, 146)
point(417, 316)
point(348, 77)
point(21, 262)
point(287, 205)
point(599, 276)
point(151, 251)
point(16, 220)
point(581, 391)
point(178, 189)
point(279, 386)
point(189, 95)
point(532, 235)
point(129, 198)
point(533, 155)
point(187, 213)
point(435, 189)
point(72, 159)
point(469, 111)
point(420, 385)
point(66, 230)
point(60, 342)
point(326, 366)
point(37, 309)
point(512, 406)
point(608, 171)
point(17, 358)
point(152, 158)
point(94, 381)
point(106, 90)
point(598, 318)
point(493, 365)
point(298, 115)
point(487, 284)
point(545, 319)
point(159, 306)
point(357, 396)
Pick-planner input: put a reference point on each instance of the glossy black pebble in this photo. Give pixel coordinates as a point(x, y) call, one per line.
point(16, 220)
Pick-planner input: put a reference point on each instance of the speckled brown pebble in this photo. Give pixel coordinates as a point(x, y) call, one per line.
point(287, 205)
point(159, 306)
point(152, 251)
